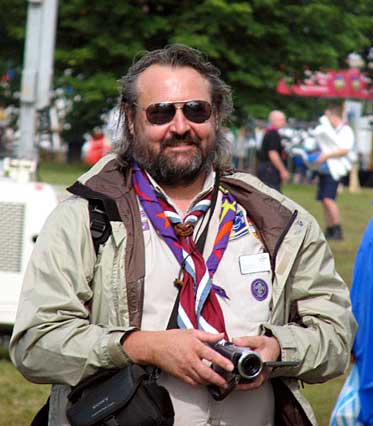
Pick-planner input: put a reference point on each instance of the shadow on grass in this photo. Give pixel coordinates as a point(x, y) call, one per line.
point(4, 347)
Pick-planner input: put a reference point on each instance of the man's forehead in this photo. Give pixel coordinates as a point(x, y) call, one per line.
point(277, 116)
point(160, 83)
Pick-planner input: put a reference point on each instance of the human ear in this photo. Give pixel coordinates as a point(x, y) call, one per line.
point(131, 120)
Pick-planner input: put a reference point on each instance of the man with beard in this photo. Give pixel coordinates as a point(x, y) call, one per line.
point(238, 261)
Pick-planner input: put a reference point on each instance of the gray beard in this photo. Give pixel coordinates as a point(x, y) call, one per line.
point(164, 169)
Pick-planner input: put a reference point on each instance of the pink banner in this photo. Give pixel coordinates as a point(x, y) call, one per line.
point(350, 83)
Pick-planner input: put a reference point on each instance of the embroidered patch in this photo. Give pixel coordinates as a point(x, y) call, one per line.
point(259, 289)
point(144, 220)
point(252, 230)
point(239, 228)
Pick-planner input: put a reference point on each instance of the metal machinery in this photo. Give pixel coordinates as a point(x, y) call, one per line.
point(25, 203)
point(24, 206)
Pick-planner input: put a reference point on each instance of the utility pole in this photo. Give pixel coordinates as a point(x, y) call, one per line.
point(37, 71)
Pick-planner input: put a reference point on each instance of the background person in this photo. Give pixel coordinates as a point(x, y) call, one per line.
point(96, 147)
point(362, 306)
point(271, 169)
point(335, 139)
point(261, 279)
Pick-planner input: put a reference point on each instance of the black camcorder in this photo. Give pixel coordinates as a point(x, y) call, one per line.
point(247, 363)
point(247, 367)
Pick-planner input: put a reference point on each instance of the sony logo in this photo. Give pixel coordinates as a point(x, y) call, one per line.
point(103, 401)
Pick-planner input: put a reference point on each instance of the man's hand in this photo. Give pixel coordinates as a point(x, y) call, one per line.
point(279, 165)
point(334, 154)
point(179, 353)
point(284, 175)
point(321, 158)
point(269, 350)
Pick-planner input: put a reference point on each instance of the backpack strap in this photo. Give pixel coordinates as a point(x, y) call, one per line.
point(108, 204)
point(99, 223)
point(42, 416)
point(102, 210)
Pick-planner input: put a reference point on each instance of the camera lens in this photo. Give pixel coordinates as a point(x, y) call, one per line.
point(249, 366)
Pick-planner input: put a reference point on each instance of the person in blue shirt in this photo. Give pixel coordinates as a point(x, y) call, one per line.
point(362, 306)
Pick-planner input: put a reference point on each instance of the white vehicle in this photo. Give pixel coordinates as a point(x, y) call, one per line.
point(24, 203)
point(24, 207)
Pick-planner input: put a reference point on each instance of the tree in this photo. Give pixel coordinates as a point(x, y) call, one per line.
point(253, 42)
point(12, 31)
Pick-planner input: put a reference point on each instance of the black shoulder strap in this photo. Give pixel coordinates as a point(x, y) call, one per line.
point(99, 223)
point(108, 204)
point(102, 210)
point(42, 416)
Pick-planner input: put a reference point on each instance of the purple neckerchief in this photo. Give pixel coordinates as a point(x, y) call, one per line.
point(157, 216)
point(198, 305)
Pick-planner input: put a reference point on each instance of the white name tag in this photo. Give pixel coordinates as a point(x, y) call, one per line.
point(254, 263)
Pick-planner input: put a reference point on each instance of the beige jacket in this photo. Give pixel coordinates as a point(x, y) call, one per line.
point(74, 307)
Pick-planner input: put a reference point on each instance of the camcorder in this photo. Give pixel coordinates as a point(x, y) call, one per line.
point(248, 365)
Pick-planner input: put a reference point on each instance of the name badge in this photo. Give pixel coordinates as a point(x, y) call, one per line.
point(254, 263)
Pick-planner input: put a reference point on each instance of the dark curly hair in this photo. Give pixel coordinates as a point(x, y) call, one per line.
point(175, 55)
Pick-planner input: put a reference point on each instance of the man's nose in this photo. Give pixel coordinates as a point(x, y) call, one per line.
point(180, 123)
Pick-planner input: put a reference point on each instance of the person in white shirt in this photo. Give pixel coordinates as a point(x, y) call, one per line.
point(336, 140)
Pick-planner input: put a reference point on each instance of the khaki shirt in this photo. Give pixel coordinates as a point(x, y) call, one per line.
point(247, 305)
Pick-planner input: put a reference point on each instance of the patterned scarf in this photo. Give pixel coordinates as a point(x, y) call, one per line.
point(198, 304)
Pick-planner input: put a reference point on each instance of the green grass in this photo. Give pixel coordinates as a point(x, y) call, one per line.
point(20, 400)
point(323, 396)
point(356, 210)
point(59, 173)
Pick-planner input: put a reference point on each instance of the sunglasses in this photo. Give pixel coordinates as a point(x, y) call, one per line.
point(163, 112)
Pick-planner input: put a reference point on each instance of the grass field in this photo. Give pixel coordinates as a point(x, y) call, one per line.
point(19, 399)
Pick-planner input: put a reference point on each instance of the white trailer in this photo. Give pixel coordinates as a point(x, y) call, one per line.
point(24, 203)
point(24, 207)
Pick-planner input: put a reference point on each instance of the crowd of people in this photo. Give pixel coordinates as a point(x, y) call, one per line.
point(196, 254)
point(270, 156)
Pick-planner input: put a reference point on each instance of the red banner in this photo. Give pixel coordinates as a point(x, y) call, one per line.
point(350, 83)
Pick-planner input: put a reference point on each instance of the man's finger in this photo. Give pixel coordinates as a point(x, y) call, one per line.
point(214, 357)
point(209, 376)
point(248, 341)
point(209, 337)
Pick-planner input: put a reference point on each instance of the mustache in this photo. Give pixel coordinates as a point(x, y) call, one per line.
point(180, 140)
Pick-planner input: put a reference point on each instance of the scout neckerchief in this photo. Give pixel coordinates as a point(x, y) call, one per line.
point(198, 305)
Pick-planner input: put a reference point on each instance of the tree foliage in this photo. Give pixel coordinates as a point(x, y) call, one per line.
point(253, 42)
point(12, 30)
